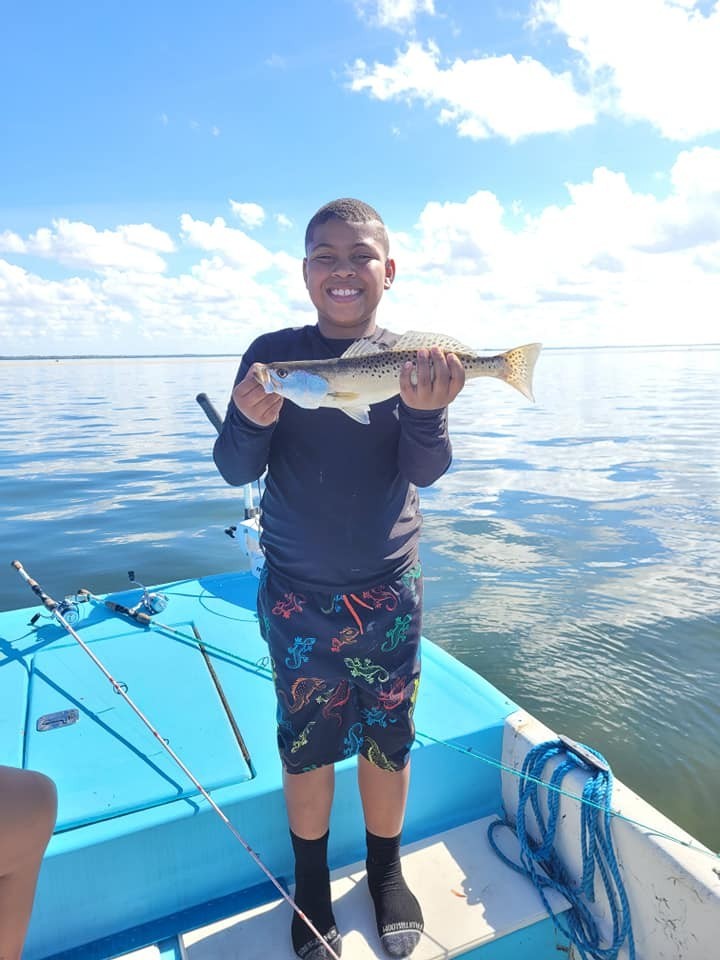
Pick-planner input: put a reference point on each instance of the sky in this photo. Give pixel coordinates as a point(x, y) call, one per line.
point(548, 170)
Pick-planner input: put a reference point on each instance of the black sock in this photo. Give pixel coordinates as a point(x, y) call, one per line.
point(397, 912)
point(312, 895)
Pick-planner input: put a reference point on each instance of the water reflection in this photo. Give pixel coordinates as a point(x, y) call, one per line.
point(572, 553)
point(574, 559)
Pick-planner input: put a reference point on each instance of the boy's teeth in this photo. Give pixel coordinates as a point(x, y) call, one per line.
point(343, 293)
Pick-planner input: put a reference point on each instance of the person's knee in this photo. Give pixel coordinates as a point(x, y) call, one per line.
point(42, 803)
point(28, 807)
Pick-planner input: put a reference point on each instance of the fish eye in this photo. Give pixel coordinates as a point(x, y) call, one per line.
point(281, 372)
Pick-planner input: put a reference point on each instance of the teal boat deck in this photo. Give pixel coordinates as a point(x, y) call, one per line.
point(138, 854)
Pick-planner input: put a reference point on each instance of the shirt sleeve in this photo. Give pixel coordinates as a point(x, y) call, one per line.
point(424, 449)
point(242, 448)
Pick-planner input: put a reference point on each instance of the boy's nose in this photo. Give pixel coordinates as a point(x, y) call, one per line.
point(343, 269)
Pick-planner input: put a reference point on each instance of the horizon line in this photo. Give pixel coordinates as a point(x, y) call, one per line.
point(180, 356)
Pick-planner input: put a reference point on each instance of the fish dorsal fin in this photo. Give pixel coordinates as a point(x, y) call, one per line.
point(421, 340)
point(362, 348)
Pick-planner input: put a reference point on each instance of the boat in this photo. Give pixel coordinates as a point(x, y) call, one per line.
point(153, 709)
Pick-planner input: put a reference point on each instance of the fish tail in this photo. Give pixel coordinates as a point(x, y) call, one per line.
point(518, 368)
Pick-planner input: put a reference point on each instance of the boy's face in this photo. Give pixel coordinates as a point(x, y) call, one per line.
point(346, 271)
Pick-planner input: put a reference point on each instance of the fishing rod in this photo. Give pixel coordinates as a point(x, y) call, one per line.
point(213, 415)
point(146, 621)
point(223, 699)
point(134, 613)
point(579, 751)
point(210, 411)
point(54, 608)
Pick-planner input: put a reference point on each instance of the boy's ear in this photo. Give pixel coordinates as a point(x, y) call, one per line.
point(305, 270)
point(389, 273)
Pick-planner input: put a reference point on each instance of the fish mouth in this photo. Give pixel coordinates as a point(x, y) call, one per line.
point(264, 377)
point(273, 380)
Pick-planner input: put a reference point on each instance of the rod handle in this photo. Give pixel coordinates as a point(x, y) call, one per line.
point(47, 601)
point(210, 411)
point(117, 607)
point(135, 615)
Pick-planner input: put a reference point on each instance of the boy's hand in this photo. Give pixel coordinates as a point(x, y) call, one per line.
point(250, 398)
point(432, 391)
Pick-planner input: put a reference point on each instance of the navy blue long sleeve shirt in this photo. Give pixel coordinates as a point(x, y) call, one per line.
point(340, 511)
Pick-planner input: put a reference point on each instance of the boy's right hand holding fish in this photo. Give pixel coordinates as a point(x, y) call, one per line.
point(253, 402)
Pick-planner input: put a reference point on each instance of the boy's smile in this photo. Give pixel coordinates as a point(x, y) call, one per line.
point(346, 271)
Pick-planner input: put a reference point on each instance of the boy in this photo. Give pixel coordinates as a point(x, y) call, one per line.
point(340, 599)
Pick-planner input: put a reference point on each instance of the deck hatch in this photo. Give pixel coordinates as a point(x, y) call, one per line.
point(103, 759)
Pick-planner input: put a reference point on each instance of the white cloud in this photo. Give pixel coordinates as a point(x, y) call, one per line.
point(607, 265)
point(283, 221)
point(646, 60)
point(213, 307)
point(235, 246)
point(692, 212)
point(75, 244)
point(68, 316)
point(654, 60)
point(22, 290)
point(250, 214)
point(396, 14)
point(489, 96)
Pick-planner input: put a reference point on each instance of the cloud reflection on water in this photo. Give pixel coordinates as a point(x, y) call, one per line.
point(572, 553)
point(573, 557)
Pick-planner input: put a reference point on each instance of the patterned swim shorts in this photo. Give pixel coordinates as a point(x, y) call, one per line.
point(346, 669)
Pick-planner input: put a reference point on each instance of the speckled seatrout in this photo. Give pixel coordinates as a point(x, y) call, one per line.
point(368, 373)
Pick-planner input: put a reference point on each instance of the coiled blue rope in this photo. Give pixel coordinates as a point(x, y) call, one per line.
point(541, 863)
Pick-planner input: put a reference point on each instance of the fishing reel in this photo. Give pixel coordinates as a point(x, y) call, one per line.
point(149, 602)
point(68, 608)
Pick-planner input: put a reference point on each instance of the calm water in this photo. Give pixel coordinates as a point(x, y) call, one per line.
point(572, 553)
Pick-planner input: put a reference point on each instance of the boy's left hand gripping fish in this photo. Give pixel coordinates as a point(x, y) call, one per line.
point(368, 373)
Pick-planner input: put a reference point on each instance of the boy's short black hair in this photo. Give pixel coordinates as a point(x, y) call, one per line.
point(349, 210)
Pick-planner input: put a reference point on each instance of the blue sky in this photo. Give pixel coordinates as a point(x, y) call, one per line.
point(549, 170)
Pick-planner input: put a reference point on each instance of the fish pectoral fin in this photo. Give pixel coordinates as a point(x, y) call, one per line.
point(351, 404)
point(344, 395)
point(362, 348)
point(421, 340)
point(360, 414)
